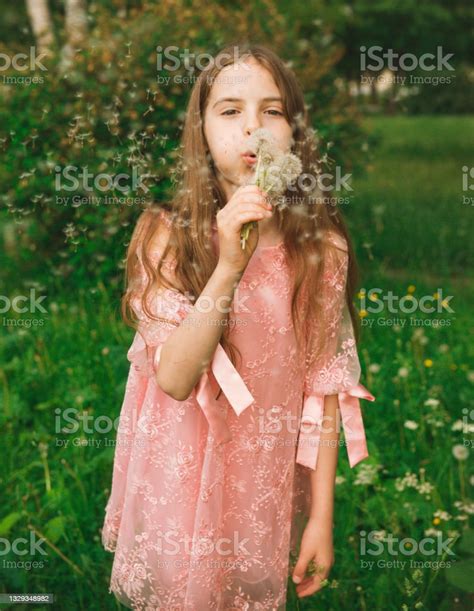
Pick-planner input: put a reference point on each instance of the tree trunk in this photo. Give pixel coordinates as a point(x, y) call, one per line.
point(76, 22)
point(41, 24)
point(76, 29)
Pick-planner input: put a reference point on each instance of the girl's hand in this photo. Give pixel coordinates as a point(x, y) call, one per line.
point(247, 204)
point(316, 546)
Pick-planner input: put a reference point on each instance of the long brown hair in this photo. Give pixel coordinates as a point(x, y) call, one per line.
point(199, 196)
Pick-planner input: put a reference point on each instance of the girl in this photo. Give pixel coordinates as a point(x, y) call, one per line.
point(239, 357)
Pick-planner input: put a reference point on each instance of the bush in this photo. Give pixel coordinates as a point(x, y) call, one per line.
point(109, 115)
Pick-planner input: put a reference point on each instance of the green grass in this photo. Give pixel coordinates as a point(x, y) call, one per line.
point(409, 208)
point(410, 230)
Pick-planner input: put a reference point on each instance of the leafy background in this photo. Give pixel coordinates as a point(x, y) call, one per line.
point(406, 151)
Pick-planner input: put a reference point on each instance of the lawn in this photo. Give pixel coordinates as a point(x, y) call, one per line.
point(412, 234)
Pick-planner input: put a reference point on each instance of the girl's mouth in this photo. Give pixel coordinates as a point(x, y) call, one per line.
point(249, 158)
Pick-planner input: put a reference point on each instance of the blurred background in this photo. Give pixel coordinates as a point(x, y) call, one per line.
point(85, 95)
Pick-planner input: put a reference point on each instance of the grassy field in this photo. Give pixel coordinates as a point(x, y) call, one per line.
point(409, 208)
point(413, 237)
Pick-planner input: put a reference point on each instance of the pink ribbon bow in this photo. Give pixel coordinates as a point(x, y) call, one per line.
point(312, 419)
point(231, 384)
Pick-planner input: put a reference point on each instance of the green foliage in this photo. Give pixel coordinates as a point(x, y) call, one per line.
point(461, 574)
point(110, 114)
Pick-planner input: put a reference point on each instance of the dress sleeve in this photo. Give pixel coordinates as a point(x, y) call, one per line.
point(332, 365)
point(169, 308)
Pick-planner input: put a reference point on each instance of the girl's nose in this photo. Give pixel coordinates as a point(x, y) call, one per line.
point(251, 126)
point(249, 131)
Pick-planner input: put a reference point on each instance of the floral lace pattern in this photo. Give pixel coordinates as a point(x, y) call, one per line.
point(197, 526)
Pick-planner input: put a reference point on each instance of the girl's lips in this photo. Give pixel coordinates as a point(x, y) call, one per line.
point(249, 159)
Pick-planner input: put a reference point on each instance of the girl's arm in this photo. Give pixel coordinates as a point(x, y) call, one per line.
point(324, 476)
point(189, 350)
point(317, 540)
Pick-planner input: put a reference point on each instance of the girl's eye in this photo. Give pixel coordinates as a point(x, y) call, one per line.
point(272, 111)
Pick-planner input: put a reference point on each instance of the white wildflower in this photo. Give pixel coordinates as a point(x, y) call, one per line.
point(366, 475)
point(460, 425)
point(434, 421)
point(425, 488)
point(466, 507)
point(460, 452)
point(409, 480)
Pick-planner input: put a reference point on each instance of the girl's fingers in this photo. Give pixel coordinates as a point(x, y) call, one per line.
point(312, 584)
point(252, 208)
point(308, 587)
point(252, 215)
point(249, 213)
point(248, 199)
point(241, 218)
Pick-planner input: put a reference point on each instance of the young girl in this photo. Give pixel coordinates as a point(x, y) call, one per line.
point(228, 438)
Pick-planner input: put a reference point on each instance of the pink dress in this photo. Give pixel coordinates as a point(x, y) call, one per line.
point(209, 496)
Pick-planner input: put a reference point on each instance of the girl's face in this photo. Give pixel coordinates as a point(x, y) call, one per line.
point(244, 97)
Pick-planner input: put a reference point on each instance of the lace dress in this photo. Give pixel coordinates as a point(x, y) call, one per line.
point(209, 496)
